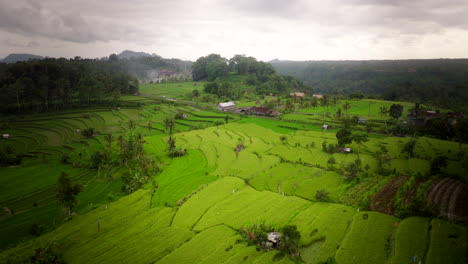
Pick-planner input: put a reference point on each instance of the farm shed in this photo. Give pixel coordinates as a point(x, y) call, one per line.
point(6, 135)
point(274, 238)
point(346, 150)
point(317, 96)
point(226, 106)
point(362, 120)
point(325, 126)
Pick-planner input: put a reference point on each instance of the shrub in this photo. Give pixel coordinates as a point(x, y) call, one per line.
point(65, 159)
point(48, 254)
point(177, 152)
point(87, 133)
point(332, 160)
point(322, 195)
point(437, 164)
point(8, 156)
point(290, 240)
point(257, 234)
point(97, 159)
point(36, 230)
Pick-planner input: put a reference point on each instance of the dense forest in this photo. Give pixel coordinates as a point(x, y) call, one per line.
point(52, 84)
point(440, 82)
point(261, 75)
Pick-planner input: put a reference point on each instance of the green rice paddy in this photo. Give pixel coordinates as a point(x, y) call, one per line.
point(192, 211)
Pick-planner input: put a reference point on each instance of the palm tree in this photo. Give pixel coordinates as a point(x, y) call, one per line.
point(359, 139)
point(346, 107)
point(169, 124)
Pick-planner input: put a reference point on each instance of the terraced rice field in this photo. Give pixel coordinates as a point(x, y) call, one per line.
point(205, 230)
point(193, 210)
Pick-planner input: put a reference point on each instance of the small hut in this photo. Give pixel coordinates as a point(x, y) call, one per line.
point(226, 106)
point(346, 150)
point(274, 238)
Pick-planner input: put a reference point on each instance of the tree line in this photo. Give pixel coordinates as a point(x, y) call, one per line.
point(441, 82)
point(55, 84)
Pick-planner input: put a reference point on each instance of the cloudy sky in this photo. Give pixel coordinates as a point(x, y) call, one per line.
point(265, 29)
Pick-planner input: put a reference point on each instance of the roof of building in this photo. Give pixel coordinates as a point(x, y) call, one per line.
point(274, 237)
point(297, 94)
point(227, 104)
point(262, 110)
point(317, 95)
point(345, 149)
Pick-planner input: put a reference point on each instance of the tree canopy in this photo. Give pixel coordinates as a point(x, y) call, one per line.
point(42, 85)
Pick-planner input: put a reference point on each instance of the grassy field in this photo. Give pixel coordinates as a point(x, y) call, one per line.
point(171, 90)
point(366, 108)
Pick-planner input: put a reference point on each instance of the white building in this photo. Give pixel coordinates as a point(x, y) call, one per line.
point(226, 106)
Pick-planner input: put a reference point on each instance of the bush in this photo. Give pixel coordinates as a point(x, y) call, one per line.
point(332, 160)
point(438, 163)
point(37, 230)
point(257, 234)
point(132, 181)
point(87, 133)
point(322, 195)
point(8, 156)
point(290, 240)
point(49, 254)
point(65, 159)
point(329, 148)
point(97, 159)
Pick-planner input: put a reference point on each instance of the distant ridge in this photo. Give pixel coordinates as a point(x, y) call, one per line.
point(15, 57)
point(128, 54)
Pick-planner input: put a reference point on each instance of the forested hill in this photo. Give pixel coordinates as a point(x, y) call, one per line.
point(15, 57)
point(442, 82)
point(54, 84)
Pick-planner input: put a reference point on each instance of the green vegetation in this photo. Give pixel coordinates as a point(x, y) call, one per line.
point(51, 84)
point(439, 82)
point(177, 181)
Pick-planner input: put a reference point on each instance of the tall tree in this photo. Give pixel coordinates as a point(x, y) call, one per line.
point(346, 107)
point(359, 139)
point(169, 124)
point(344, 136)
point(396, 110)
point(67, 192)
